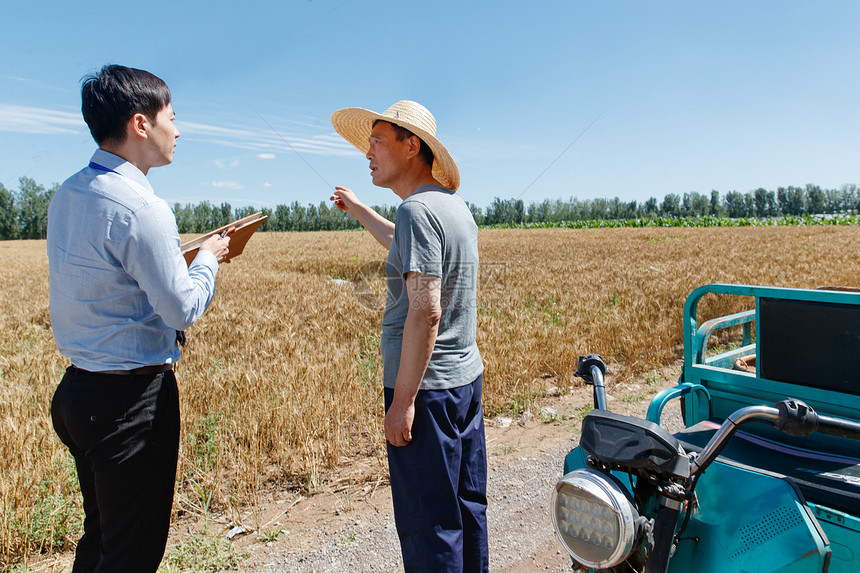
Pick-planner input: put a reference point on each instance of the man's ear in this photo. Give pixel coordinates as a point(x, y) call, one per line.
point(138, 126)
point(414, 146)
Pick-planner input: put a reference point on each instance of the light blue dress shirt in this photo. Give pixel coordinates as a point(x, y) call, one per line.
point(119, 286)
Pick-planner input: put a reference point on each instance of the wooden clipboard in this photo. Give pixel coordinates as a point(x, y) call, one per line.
point(244, 228)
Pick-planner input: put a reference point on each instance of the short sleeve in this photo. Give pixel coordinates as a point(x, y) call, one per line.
point(419, 239)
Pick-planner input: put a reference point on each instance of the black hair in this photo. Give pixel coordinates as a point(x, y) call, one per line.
point(111, 97)
point(424, 152)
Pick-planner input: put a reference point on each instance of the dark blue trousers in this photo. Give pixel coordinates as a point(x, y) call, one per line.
point(439, 482)
point(123, 432)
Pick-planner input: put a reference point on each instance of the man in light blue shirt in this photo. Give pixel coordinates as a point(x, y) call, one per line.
point(120, 295)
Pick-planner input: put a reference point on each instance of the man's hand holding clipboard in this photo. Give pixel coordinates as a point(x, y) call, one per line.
point(236, 234)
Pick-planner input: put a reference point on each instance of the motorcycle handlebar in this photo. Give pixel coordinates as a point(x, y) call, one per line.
point(599, 389)
point(839, 427)
point(719, 440)
point(591, 368)
point(790, 416)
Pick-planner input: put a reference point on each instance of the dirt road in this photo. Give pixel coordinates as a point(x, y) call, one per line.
point(525, 460)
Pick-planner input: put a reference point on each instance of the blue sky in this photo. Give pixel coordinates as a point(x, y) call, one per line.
point(687, 96)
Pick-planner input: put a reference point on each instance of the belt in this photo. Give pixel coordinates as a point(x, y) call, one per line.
point(153, 369)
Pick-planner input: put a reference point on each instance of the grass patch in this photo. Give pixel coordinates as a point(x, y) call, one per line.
point(633, 398)
point(270, 535)
point(202, 552)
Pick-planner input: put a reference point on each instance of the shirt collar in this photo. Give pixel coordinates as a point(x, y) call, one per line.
point(118, 164)
point(428, 187)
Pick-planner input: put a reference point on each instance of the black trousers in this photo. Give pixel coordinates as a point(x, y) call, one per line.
point(123, 432)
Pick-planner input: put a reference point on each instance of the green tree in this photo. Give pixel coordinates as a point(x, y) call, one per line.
point(814, 200)
point(477, 213)
point(297, 217)
point(281, 218)
point(387, 211)
point(614, 209)
point(749, 205)
point(716, 208)
point(671, 206)
point(771, 204)
point(695, 204)
point(849, 196)
point(598, 209)
point(202, 217)
point(735, 204)
point(634, 209)
point(496, 212)
point(264, 211)
point(796, 200)
point(224, 215)
point(760, 200)
point(651, 207)
point(790, 200)
point(184, 217)
point(242, 212)
point(518, 211)
point(33, 202)
point(8, 214)
point(782, 200)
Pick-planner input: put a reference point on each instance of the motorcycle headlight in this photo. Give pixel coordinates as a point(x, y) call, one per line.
point(594, 518)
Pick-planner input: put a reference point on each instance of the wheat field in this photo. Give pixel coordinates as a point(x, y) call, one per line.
point(281, 379)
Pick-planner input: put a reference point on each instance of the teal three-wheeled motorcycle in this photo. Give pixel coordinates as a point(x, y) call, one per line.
point(764, 477)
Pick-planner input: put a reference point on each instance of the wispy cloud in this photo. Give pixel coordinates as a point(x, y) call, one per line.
point(266, 142)
point(38, 84)
point(226, 163)
point(23, 119)
point(228, 184)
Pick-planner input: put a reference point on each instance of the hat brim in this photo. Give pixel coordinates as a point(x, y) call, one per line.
point(354, 124)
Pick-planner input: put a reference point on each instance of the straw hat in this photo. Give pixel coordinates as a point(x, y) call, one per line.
point(355, 124)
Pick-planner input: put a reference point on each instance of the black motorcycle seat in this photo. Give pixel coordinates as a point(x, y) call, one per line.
point(825, 475)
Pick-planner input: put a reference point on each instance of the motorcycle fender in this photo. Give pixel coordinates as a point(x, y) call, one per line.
point(749, 521)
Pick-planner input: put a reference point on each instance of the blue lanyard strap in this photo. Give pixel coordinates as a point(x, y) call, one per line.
point(95, 165)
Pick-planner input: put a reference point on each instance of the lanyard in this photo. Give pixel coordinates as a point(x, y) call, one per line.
point(130, 181)
point(95, 165)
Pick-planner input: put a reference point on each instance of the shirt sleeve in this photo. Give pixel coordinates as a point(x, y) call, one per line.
point(178, 294)
point(419, 239)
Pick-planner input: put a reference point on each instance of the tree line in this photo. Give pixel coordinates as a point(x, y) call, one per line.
point(761, 203)
point(24, 212)
point(203, 217)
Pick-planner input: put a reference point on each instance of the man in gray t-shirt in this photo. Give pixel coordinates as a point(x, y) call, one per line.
point(433, 374)
point(435, 235)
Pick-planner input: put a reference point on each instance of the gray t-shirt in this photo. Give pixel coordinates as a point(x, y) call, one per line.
point(435, 234)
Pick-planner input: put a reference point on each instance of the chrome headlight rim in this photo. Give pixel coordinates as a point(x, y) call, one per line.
point(609, 491)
